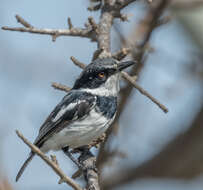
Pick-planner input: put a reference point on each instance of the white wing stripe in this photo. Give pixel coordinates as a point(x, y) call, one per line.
point(66, 108)
point(63, 110)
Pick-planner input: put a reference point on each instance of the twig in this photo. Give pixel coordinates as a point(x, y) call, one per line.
point(70, 25)
point(121, 54)
point(53, 32)
point(144, 92)
point(23, 22)
point(77, 63)
point(60, 87)
point(81, 32)
point(53, 165)
point(93, 24)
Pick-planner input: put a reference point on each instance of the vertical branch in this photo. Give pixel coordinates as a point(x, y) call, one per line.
point(140, 38)
point(105, 24)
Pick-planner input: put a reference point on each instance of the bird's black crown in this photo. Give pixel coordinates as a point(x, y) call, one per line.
point(96, 73)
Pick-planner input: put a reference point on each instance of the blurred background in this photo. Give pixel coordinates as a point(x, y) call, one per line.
point(157, 150)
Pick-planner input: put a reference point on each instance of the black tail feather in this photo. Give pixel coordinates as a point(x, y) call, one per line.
point(24, 165)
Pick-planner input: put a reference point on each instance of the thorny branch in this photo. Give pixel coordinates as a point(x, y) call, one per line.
point(102, 31)
point(110, 9)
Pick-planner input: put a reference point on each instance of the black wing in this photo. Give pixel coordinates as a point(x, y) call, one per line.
point(75, 105)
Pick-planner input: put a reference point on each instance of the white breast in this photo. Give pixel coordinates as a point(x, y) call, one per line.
point(79, 133)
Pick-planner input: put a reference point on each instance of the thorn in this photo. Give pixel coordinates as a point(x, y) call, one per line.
point(78, 63)
point(53, 158)
point(93, 24)
point(70, 25)
point(23, 22)
point(61, 181)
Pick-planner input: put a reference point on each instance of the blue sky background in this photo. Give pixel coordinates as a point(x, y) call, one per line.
point(29, 63)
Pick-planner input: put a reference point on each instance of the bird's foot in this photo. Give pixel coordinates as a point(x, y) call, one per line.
point(69, 154)
point(87, 160)
point(95, 143)
point(81, 161)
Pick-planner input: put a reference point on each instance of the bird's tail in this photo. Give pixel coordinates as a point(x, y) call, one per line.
point(24, 165)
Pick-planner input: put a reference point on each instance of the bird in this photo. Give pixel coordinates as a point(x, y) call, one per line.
point(85, 112)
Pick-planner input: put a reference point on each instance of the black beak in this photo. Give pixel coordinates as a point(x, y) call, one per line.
point(123, 65)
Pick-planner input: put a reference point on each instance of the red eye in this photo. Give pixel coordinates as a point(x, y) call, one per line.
point(101, 75)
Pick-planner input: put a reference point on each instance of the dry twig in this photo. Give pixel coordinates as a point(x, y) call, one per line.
point(77, 63)
point(60, 87)
point(144, 92)
point(81, 32)
point(93, 24)
point(23, 22)
point(70, 25)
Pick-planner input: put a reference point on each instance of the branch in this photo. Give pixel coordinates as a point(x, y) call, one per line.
point(77, 63)
point(105, 24)
point(144, 92)
point(139, 39)
point(93, 24)
point(23, 22)
point(70, 25)
point(80, 32)
point(53, 165)
point(121, 54)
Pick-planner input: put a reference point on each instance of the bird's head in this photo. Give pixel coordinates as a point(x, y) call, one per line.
point(101, 77)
